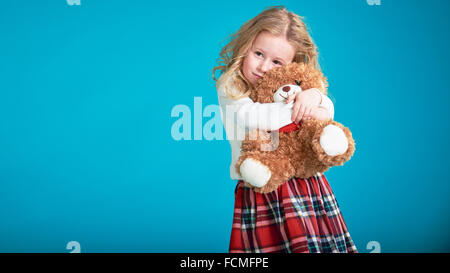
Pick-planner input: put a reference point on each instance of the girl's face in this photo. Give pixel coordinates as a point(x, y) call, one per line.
point(268, 51)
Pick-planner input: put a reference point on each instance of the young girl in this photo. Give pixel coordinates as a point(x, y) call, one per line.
point(302, 215)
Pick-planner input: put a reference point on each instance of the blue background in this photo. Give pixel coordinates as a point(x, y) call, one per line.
point(86, 93)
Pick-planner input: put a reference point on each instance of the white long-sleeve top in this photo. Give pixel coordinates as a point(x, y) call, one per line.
point(241, 115)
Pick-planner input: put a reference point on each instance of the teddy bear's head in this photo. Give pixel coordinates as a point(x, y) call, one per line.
point(281, 82)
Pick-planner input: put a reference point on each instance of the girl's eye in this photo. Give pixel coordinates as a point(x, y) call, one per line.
point(259, 54)
point(277, 62)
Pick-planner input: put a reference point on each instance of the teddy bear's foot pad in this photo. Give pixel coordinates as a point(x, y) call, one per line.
point(333, 140)
point(255, 173)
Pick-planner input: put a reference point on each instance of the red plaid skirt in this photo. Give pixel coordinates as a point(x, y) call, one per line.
point(302, 215)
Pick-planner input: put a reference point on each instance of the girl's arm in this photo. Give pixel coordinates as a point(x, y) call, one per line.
point(253, 115)
point(319, 113)
point(264, 116)
point(325, 109)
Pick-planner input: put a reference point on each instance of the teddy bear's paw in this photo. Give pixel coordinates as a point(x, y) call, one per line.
point(333, 140)
point(255, 173)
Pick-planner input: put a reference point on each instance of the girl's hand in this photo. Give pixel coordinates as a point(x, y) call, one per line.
point(305, 102)
point(318, 113)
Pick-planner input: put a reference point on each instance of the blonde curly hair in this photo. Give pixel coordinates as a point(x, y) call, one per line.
point(276, 20)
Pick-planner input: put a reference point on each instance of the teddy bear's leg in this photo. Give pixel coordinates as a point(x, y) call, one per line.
point(255, 172)
point(281, 170)
point(265, 170)
point(333, 143)
point(252, 170)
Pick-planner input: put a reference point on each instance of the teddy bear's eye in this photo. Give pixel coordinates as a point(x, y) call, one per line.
point(298, 83)
point(273, 91)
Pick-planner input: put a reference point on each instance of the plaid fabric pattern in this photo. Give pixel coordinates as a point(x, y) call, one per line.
point(302, 215)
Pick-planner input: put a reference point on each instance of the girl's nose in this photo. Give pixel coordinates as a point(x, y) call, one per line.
point(264, 66)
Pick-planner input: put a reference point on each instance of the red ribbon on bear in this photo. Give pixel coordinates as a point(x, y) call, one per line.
point(289, 128)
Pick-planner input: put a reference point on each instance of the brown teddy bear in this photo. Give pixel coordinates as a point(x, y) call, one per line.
point(268, 159)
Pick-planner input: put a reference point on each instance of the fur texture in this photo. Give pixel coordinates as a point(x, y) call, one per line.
point(299, 153)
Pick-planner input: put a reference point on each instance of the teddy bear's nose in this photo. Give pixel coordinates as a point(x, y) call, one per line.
point(286, 88)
